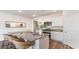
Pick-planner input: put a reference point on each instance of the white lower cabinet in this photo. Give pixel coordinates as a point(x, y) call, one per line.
point(44, 43)
point(57, 36)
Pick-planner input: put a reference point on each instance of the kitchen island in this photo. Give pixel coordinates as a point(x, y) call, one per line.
point(24, 40)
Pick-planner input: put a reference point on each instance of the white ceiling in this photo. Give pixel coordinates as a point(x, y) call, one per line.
point(29, 13)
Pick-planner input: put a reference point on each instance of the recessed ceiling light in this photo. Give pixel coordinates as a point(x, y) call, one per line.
point(19, 11)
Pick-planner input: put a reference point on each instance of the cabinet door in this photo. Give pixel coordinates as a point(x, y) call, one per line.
point(44, 43)
point(57, 36)
point(57, 21)
point(35, 26)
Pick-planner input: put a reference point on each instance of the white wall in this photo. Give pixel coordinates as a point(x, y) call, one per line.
point(71, 28)
point(9, 17)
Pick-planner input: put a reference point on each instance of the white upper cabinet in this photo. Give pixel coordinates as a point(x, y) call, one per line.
point(57, 21)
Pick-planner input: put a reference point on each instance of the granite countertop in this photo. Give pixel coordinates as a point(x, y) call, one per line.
point(40, 36)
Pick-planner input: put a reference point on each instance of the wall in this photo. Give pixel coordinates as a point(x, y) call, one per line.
point(9, 17)
point(71, 28)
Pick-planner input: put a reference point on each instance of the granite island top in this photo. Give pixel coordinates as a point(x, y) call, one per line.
point(20, 39)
